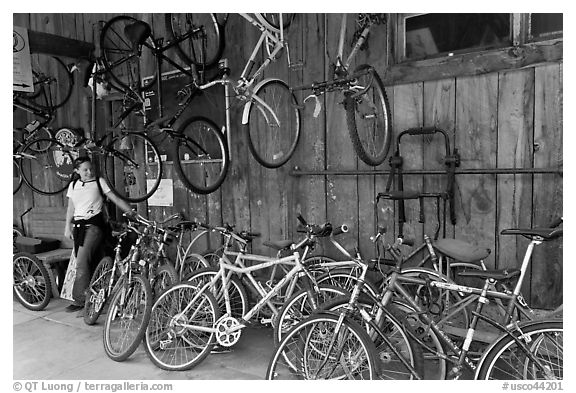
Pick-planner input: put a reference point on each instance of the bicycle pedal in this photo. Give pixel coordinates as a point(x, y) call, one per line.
point(265, 321)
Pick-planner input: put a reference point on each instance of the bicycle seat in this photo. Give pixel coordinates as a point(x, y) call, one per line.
point(501, 274)
point(278, 245)
point(545, 233)
point(187, 225)
point(461, 250)
point(137, 32)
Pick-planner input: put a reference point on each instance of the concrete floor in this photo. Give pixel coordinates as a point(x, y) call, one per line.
point(53, 344)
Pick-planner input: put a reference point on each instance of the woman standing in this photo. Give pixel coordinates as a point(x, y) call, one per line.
point(86, 224)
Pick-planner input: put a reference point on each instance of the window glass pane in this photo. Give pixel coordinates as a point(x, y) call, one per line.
point(542, 25)
point(431, 35)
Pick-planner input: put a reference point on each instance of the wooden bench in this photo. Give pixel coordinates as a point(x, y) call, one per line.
point(49, 222)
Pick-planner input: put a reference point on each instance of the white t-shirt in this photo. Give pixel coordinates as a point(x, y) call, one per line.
point(86, 198)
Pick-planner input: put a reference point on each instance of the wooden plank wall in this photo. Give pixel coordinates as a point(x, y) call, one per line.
point(506, 119)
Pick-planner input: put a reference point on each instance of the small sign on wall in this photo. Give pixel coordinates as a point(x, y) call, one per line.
point(164, 195)
point(22, 64)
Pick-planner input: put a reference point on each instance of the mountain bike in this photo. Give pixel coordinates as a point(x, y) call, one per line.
point(515, 354)
point(270, 116)
point(186, 323)
point(368, 116)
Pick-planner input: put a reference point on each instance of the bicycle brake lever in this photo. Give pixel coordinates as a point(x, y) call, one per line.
point(317, 105)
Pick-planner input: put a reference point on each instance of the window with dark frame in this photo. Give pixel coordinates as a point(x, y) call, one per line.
point(545, 26)
point(434, 35)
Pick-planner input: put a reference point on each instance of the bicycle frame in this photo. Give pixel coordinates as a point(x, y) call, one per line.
point(341, 39)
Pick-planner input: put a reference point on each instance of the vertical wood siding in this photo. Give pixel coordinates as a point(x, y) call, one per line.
point(507, 119)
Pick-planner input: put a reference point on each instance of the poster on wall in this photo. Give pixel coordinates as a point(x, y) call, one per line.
point(164, 195)
point(22, 64)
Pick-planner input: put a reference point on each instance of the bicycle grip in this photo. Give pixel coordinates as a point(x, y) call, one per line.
point(408, 242)
point(302, 220)
point(421, 130)
point(339, 230)
point(556, 222)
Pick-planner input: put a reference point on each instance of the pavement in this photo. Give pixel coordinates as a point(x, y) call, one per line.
point(55, 345)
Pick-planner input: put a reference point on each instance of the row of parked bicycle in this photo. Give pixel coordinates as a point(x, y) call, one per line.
point(332, 319)
point(200, 152)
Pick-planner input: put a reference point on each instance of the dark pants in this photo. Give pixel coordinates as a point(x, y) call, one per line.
point(87, 259)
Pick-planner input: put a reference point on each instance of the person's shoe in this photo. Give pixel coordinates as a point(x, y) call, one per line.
point(220, 349)
point(73, 307)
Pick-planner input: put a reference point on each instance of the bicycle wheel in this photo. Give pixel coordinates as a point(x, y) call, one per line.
point(346, 279)
point(52, 81)
point(507, 359)
point(204, 48)
point(178, 336)
point(165, 277)
point(322, 348)
point(299, 306)
point(272, 21)
point(121, 57)
point(97, 292)
point(191, 263)
point(31, 281)
point(16, 176)
point(127, 318)
point(47, 172)
point(392, 325)
point(368, 116)
point(133, 167)
point(200, 155)
point(273, 127)
point(238, 297)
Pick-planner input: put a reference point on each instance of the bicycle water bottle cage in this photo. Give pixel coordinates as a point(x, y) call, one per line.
point(137, 33)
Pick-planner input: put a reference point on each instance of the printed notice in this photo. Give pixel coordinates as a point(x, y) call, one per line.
point(164, 195)
point(22, 76)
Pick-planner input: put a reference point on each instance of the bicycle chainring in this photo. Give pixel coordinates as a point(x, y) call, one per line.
point(223, 335)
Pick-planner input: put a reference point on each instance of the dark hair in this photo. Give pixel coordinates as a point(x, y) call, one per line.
point(80, 160)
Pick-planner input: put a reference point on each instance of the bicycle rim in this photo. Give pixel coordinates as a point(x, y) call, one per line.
point(133, 167)
point(238, 297)
point(31, 282)
point(204, 48)
point(201, 155)
point(507, 360)
point(16, 177)
point(273, 129)
point(47, 172)
point(127, 318)
point(121, 60)
point(320, 351)
point(97, 295)
point(173, 340)
point(165, 277)
point(368, 116)
point(272, 21)
point(52, 82)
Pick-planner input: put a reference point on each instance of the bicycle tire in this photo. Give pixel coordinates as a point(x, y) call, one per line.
point(298, 346)
point(298, 308)
point(272, 21)
point(16, 176)
point(47, 172)
point(272, 143)
point(505, 359)
point(40, 133)
point(368, 117)
point(137, 298)
point(52, 81)
point(201, 155)
point(190, 263)
point(96, 294)
point(177, 348)
point(133, 167)
point(190, 50)
point(120, 59)
point(391, 323)
point(164, 278)
point(238, 297)
point(31, 281)
point(345, 278)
